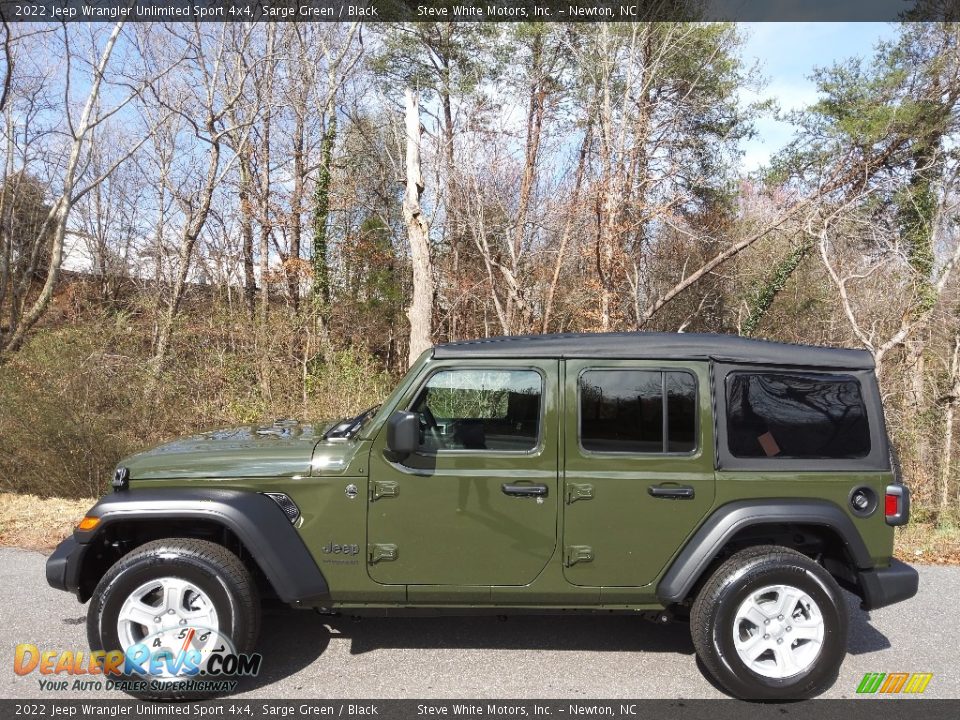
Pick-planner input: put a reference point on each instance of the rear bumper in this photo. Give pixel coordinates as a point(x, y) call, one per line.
point(63, 566)
point(885, 586)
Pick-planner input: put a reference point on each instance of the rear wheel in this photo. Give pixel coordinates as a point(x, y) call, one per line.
point(771, 624)
point(174, 597)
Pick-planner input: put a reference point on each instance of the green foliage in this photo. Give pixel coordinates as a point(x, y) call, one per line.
point(877, 139)
point(372, 281)
point(917, 204)
point(321, 214)
point(878, 116)
point(448, 58)
point(764, 295)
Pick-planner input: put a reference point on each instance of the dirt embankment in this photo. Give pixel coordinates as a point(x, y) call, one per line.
point(40, 523)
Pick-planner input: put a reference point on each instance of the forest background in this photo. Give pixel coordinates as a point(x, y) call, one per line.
point(213, 224)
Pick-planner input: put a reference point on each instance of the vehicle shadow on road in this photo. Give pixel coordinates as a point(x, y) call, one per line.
point(294, 639)
point(486, 632)
point(864, 637)
point(290, 640)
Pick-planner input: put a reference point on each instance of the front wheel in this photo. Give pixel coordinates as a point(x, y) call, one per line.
point(771, 624)
point(171, 600)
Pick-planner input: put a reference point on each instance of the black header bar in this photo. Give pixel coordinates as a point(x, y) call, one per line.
point(478, 10)
point(864, 708)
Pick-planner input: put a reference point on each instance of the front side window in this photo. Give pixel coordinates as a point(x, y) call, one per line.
point(480, 410)
point(638, 411)
point(796, 416)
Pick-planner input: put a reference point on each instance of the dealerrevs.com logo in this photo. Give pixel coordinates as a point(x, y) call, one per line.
point(894, 683)
point(183, 659)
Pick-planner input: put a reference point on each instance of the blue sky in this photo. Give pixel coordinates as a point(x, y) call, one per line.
point(787, 54)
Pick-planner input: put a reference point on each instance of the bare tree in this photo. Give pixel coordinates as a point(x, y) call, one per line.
point(204, 107)
point(881, 338)
point(72, 186)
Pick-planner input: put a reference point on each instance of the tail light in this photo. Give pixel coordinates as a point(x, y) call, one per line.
point(896, 505)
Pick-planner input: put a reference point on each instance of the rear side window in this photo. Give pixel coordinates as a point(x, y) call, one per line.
point(796, 416)
point(638, 411)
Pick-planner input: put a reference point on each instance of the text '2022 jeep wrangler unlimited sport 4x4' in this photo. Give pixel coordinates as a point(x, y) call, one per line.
point(736, 482)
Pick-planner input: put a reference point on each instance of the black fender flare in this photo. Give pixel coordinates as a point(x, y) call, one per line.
point(254, 518)
point(727, 520)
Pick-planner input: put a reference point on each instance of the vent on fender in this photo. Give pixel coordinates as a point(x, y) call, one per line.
point(288, 506)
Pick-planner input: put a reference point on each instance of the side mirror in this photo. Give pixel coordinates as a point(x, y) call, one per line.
point(403, 434)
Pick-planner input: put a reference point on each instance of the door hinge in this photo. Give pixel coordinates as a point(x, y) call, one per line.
point(579, 491)
point(383, 488)
point(378, 552)
point(578, 554)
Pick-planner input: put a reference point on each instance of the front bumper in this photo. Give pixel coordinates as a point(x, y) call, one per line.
point(63, 566)
point(885, 586)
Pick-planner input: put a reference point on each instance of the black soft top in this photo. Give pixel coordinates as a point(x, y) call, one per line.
point(658, 346)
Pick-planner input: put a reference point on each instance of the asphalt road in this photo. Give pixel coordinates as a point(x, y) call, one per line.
point(307, 655)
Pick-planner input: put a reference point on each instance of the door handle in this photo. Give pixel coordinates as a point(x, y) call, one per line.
point(684, 492)
point(524, 490)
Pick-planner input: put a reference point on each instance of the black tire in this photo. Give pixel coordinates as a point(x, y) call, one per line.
point(716, 605)
point(211, 567)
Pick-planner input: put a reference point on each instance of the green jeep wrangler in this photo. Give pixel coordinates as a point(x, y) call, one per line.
point(733, 483)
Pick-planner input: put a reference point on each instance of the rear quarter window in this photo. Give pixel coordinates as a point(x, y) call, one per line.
point(800, 416)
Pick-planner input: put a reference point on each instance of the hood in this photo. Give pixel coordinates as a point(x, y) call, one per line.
point(283, 449)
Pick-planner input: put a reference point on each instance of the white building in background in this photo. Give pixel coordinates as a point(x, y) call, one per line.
point(77, 254)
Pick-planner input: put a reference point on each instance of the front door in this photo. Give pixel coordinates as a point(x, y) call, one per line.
point(477, 504)
point(638, 467)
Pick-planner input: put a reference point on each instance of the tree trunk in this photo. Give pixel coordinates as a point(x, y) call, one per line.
point(535, 113)
point(321, 215)
point(266, 226)
point(420, 311)
point(6, 213)
point(945, 460)
point(246, 230)
point(454, 227)
point(266, 220)
point(609, 200)
point(946, 457)
point(296, 207)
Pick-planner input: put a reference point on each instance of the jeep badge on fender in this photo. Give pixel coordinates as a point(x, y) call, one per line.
point(731, 483)
point(341, 549)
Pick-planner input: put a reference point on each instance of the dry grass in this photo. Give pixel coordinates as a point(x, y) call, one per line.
point(927, 543)
point(40, 523)
point(87, 405)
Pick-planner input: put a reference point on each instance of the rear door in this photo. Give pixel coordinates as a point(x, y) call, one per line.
point(639, 473)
